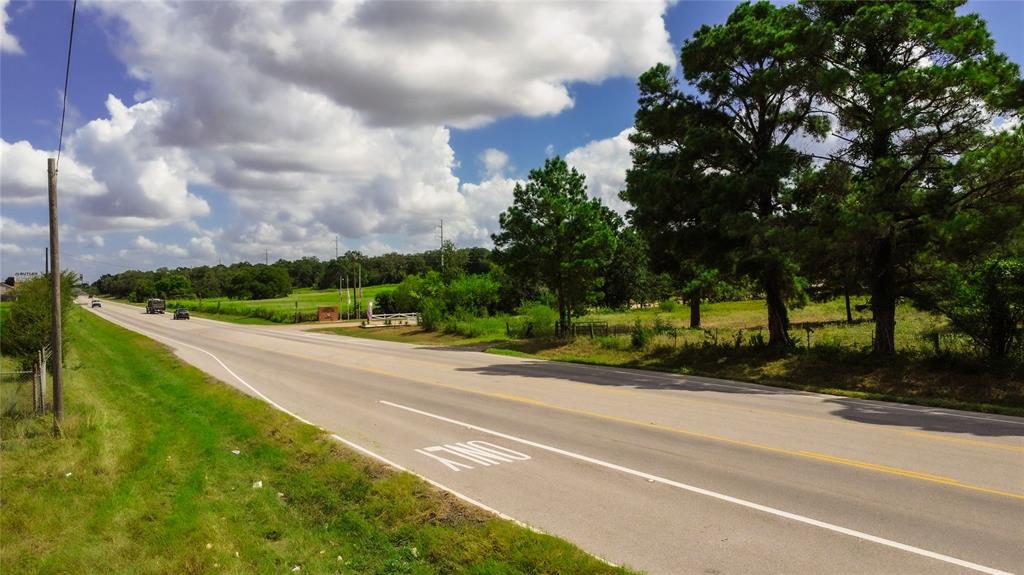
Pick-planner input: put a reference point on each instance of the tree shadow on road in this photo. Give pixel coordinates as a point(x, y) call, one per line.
point(860, 410)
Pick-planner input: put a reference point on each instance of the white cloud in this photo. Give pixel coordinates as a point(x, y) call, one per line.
point(10, 249)
point(23, 179)
point(146, 183)
point(8, 43)
point(485, 201)
point(144, 244)
point(10, 228)
point(495, 162)
point(604, 163)
point(400, 63)
point(90, 240)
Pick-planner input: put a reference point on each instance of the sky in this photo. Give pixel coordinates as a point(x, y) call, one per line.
point(202, 132)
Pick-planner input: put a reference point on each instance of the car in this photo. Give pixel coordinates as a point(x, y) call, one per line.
point(96, 303)
point(181, 313)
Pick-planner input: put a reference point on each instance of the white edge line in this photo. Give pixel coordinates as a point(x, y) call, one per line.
point(337, 437)
point(716, 495)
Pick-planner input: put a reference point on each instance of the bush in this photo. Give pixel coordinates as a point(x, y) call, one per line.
point(385, 302)
point(432, 314)
point(986, 304)
point(639, 336)
point(542, 318)
point(668, 305)
point(474, 294)
point(27, 325)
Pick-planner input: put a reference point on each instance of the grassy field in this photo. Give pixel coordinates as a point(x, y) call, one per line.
point(145, 480)
point(837, 360)
point(301, 304)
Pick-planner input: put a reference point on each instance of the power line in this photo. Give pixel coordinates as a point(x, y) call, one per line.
point(67, 75)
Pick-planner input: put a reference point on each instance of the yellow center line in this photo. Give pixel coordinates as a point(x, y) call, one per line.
point(868, 466)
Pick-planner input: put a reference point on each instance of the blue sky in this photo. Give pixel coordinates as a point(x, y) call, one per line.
point(204, 133)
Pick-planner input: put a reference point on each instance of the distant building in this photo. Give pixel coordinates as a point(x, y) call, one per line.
point(6, 292)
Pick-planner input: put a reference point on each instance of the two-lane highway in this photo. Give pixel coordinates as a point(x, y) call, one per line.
point(663, 473)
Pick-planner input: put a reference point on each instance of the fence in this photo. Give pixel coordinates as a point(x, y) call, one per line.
point(587, 328)
point(392, 319)
point(25, 391)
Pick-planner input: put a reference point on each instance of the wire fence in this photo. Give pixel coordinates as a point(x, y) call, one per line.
point(18, 393)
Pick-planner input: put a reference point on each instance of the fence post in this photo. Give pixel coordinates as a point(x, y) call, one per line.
point(35, 386)
point(42, 380)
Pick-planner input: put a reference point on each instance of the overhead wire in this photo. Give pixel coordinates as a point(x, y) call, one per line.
point(67, 75)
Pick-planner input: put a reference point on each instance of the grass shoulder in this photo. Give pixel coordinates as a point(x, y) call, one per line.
point(146, 480)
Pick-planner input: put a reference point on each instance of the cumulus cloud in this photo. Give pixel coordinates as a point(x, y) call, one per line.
point(495, 162)
point(8, 43)
point(146, 183)
point(144, 244)
point(23, 176)
point(10, 249)
point(13, 229)
point(485, 201)
point(404, 62)
point(604, 163)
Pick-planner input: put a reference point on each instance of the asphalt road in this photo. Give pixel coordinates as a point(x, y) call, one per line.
point(661, 473)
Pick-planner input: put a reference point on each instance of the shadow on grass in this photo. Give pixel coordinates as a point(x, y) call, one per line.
point(905, 378)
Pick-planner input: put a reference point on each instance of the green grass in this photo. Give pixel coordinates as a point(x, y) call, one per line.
point(838, 360)
point(145, 481)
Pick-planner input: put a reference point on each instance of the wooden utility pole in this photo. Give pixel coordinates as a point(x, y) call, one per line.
point(46, 262)
point(55, 327)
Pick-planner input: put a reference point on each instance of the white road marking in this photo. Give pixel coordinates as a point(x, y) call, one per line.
point(721, 496)
point(479, 452)
point(449, 463)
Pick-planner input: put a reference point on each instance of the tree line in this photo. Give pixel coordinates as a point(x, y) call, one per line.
point(249, 281)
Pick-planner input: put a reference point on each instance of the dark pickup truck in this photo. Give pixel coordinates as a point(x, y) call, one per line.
point(156, 306)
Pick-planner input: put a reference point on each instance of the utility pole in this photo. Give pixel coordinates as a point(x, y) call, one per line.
point(46, 262)
point(335, 246)
point(266, 256)
point(55, 327)
point(442, 248)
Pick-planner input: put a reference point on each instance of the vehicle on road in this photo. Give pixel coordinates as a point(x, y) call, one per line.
point(156, 306)
point(96, 303)
point(181, 313)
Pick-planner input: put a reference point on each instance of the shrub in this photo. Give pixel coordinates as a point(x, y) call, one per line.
point(475, 294)
point(432, 314)
point(27, 325)
point(385, 302)
point(668, 305)
point(986, 304)
point(541, 316)
point(639, 336)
